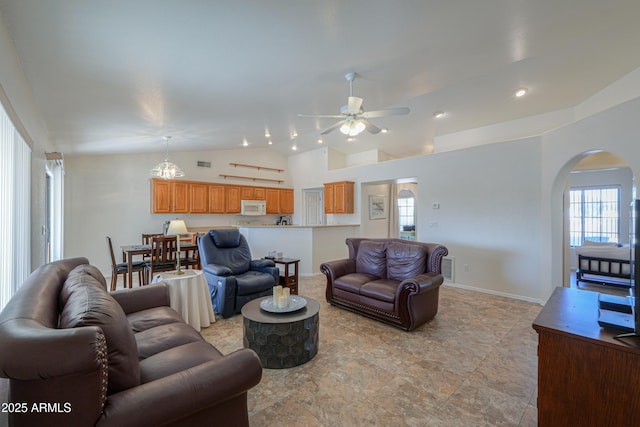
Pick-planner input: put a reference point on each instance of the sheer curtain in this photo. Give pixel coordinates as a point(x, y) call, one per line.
point(15, 209)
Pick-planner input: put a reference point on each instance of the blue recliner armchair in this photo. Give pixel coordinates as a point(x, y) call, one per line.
point(234, 278)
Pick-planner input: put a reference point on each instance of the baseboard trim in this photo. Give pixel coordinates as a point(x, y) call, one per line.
point(496, 293)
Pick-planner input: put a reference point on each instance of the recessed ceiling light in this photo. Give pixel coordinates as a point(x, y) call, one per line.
point(384, 130)
point(267, 134)
point(294, 147)
point(270, 142)
point(245, 143)
point(294, 134)
point(520, 92)
point(438, 114)
point(349, 139)
point(320, 141)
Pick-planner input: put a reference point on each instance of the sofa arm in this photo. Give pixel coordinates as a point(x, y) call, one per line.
point(335, 269)
point(185, 393)
point(142, 298)
point(420, 284)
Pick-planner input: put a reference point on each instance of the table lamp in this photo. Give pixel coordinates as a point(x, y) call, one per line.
point(176, 228)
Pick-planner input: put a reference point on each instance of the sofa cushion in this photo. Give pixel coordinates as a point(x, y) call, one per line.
point(79, 277)
point(405, 260)
point(161, 338)
point(352, 282)
point(177, 359)
point(152, 317)
point(91, 305)
point(253, 282)
point(372, 258)
point(381, 289)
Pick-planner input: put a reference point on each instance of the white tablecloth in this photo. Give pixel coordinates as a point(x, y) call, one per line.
point(190, 296)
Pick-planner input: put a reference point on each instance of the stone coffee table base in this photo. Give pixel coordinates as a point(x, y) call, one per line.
point(281, 340)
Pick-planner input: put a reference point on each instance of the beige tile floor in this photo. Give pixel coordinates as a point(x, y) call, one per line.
point(475, 364)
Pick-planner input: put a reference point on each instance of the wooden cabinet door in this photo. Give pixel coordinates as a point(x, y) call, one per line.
point(180, 196)
point(232, 199)
point(259, 193)
point(199, 197)
point(328, 198)
point(286, 201)
point(160, 196)
point(272, 196)
point(216, 199)
point(246, 193)
point(338, 198)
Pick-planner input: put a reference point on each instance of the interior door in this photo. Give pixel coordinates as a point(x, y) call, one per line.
point(313, 207)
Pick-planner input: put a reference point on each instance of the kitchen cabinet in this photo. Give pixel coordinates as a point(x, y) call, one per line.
point(233, 196)
point(272, 196)
point(199, 194)
point(216, 199)
point(170, 196)
point(252, 193)
point(286, 201)
point(339, 197)
point(195, 197)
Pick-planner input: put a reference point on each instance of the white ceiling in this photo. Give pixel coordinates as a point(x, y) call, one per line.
point(115, 76)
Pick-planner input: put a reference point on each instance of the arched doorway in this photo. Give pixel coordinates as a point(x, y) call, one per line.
point(598, 192)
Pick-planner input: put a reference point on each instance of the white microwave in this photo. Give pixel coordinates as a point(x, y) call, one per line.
point(253, 207)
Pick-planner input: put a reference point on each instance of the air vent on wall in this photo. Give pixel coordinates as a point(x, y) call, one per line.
point(448, 268)
point(204, 164)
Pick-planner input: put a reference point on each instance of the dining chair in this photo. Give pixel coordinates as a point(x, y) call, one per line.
point(191, 258)
point(123, 268)
point(147, 240)
point(163, 252)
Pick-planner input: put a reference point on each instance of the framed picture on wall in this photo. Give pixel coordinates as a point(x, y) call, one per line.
point(377, 207)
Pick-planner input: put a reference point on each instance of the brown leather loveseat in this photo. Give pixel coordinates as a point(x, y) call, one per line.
point(76, 355)
point(392, 280)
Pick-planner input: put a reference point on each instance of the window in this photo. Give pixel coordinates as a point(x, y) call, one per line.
point(15, 196)
point(594, 215)
point(406, 214)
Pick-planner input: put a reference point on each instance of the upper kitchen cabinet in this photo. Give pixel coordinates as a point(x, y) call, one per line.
point(217, 198)
point(252, 193)
point(286, 201)
point(272, 196)
point(233, 195)
point(338, 197)
point(170, 196)
point(199, 192)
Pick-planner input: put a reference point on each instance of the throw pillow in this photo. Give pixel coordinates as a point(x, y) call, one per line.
point(405, 260)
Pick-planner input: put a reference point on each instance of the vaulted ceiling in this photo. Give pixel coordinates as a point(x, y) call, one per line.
point(116, 76)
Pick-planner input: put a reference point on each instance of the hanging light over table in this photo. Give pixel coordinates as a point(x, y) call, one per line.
point(166, 169)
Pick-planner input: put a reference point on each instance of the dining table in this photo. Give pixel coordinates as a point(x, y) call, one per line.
point(131, 251)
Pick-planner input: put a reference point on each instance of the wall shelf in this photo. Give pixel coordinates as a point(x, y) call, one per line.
point(257, 167)
point(225, 176)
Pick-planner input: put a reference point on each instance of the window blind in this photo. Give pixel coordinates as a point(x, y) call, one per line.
point(15, 209)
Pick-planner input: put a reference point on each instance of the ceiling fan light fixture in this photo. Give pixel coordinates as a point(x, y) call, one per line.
point(520, 92)
point(353, 127)
point(167, 169)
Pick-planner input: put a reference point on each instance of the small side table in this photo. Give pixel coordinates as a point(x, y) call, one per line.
point(290, 278)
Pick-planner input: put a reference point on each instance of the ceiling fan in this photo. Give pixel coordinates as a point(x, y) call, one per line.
point(354, 119)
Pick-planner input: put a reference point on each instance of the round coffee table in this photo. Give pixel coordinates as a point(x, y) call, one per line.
point(281, 340)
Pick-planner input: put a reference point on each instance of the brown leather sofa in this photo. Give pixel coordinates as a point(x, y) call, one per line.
point(76, 355)
point(392, 280)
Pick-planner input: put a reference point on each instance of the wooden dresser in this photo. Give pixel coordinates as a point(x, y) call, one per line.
point(585, 376)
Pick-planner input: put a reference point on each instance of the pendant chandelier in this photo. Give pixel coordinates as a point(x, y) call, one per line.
point(166, 169)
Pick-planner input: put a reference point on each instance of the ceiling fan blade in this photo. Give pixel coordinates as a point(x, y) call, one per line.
point(397, 111)
point(322, 116)
point(371, 128)
point(354, 105)
point(332, 127)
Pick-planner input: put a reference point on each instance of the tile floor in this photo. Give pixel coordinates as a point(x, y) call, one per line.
point(475, 364)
